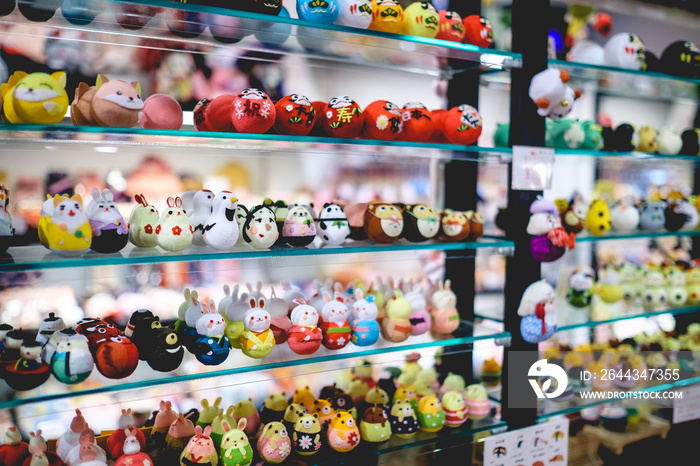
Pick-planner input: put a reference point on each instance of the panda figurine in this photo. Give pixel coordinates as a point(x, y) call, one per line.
point(333, 226)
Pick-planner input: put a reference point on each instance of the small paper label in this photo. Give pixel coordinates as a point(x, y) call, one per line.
point(532, 168)
point(688, 407)
point(546, 444)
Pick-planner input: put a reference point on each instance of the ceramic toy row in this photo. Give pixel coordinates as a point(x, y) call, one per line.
point(657, 287)
point(301, 426)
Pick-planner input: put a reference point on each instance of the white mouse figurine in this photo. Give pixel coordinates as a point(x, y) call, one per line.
point(221, 228)
point(142, 224)
point(174, 231)
point(202, 202)
point(551, 93)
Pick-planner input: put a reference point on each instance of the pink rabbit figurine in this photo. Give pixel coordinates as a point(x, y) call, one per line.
point(444, 315)
point(115, 442)
point(200, 449)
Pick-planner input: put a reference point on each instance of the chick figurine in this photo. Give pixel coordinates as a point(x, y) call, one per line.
point(598, 219)
point(36, 98)
point(343, 434)
point(396, 327)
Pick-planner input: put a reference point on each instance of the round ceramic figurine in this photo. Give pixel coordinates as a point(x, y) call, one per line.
point(586, 51)
point(383, 121)
point(36, 98)
point(477, 401)
point(260, 230)
point(246, 409)
point(29, 371)
point(421, 19)
point(299, 226)
point(383, 222)
point(6, 228)
point(160, 111)
point(69, 356)
point(625, 50)
point(454, 226)
point(670, 141)
point(354, 13)
point(235, 447)
point(404, 423)
point(653, 216)
point(430, 414)
point(444, 314)
point(421, 223)
point(333, 227)
point(304, 337)
point(335, 327)
point(67, 230)
point(624, 217)
point(455, 407)
point(220, 230)
point(174, 231)
point(201, 210)
point(365, 329)
point(343, 118)
point(292, 414)
point(273, 408)
point(306, 436)
point(199, 115)
point(318, 11)
point(47, 327)
point(387, 16)
point(252, 112)
point(539, 321)
point(581, 283)
point(396, 327)
point(462, 125)
point(142, 224)
point(681, 58)
point(478, 31)
point(295, 115)
point(200, 449)
point(451, 27)
point(109, 230)
point(274, 444)
point(113, 103)
point(375, 426)
point(419, 318)
point(274, 34)
point(257, 340)
point(598, 221)
point(551, 93)
point(343, 434)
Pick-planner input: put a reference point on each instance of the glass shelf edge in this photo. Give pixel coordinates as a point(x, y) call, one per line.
point(621, 236)
point(591, 324)
point(611, 69)
point(633, 155)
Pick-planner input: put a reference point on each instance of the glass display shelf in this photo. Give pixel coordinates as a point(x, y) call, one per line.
point(585, 237)
point(638, 313)
point(630, 83)
point(237, 363)
point(318, 43)
point(35, 257)
point(551, 408)
point(105, 139)
point(642, 157)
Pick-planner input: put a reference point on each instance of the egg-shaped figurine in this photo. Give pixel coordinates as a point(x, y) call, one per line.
point(420, 318)
point(387, 16)
point(295, 115)
point(29, 371)
point(70, 358)
point(343, 434)
point(115, 441)
point(116, 356)
point(14, 451)
point(354, 13)
point(299, 226)
point(227, 29)
point(375, 397)
point(246, 409)
point(252, 112)
point(200, 449)
point(241, 216)
point(109, 230)
point(306, 435)
point(274, 444)
point(280, 323)
point(421, 223)
point(6, 228)
point(208, 412)
point(304, 336)
point(476, 225)
point(396, 327)
point(573, 214)
point(114, 103)
point(319, 11)
point(670, 141)
point(336, 330)
point(430, 414)
point(598, 220)
point(199, 114)
point(47, 327)
point(383, 222)
point(142, 223)
point(342, 402)
point(681, 58)
point(421, 19)
point(209, 343)
point(653, 216)
point(36, 98)
point(586, 51)
point(375, 426)
point(647, 140)
point(455, 407)
point(333, 227)
point(292, 414)
point(624, 217)
point(216, 114)
point(406, 392)
point(165, 349)
point(217, 431)
point(260, 228)
point(365, 329)
point(273, 408)
point(451, 26)
point(404, 423)
point(477, 401)
point(184, 23)
point(462, 125)
point(539, 321)
point(452, 383)
point(418, 124)
point(273, 33)
point(257, 340)
point(343, 118)
point(161, 111)
point(235, 447)
point(454, 226)
point(220, 229)
point(357, 390)
point(444, 314)
point(478, 31)
point(66, 229)
point(174, 231)
point(581, 283)
point(201, 210)
point(625, 50)
point(383, 121)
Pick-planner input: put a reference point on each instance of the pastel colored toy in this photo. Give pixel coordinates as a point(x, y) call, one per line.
point(132, 450)
point(551, 93)
point(647, 140)
point(454, 226)
point(87, 453)
point(113, 103)
point(323, 410)
point(71, 438)
point(241, 217)
point(654, 294)
point(375, 426)
point(343, 118)
point(217, 114)
point(295, 115)
point(109, 230)
point(47, 327)
point(160, 111)
point(333, 227)
point(70, 359)
point(306, 436)
point(29, 371)
point(478, 31)
point(421, 19)
point(165, 417)
point(354, 13)
point(304, 337)
point(598, 220)
point(625, 50)
point(116, 440)
point(430, 414)
point(670, 141)
point(179, 434)
point(257, 340)
point(383, 222)
point(220, 230)
point(404, 423)
point(235, 314)
point(292, 414)
point(444, 314)
point(36, 98)
point(581, 283)
point(624, 217)
point(396, 327)
point(68, 230)
point(419, 318)
point(343, 434)
point(539, 321)
point(235, 447)
point(455, 407)
point(462, 125)
point(335, 327)
point(273, 408)
point(477, 401)
point(421, 223)
point(38, 455)
point(280, 323)
point(274, 34)
point(476, 225)
point(677, 282)
point(245, 409)
point(217, 431)
point(320, 11)
point(451, 27)
point(550, 239)
point(260, 230)
point(252, 112)
point(586, 51)
point(142, 223)
point(6, 228)
point(653, 216)
point(566, 134)
point(418, 124)
point(299, 226)
point(387, 16)
point(200, 449)
point(174, 231)
point(593, 136)
point(274, 444)
point(202, 203)
point(375, 397)
point(365, 329)
point(609, 288)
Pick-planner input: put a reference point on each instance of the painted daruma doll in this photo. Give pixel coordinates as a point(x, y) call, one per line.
point(418, 123)
point(451, 27)
point(462, 125)
point(295, 115)
point(252, 112)
point(383, 121)
point(421, 19)
point(387, 16)
point(343, 118)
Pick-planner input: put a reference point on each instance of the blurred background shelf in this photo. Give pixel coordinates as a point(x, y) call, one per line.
point(636, 315)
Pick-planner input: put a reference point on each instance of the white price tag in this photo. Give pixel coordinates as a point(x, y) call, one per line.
point(532, 168)
point(688, 407)
point(546, 443)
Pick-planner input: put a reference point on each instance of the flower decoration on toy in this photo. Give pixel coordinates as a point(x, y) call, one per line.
point(365, 329)
point(257, 340)
point(444, 313)
point(160, 111)
point(451, 26)
point(246, 409)
point(64, 227)
point(29, 371)
point(383, 222)
point(418, 124)
point(455, 407)
point(174, 231)
point(274, 444)
point(354, 13)
point(306, 435)
point(252, 111)
point(454, 226)
point(36, 98)
point(142, 223)
point(478, 31)
point(343, 434)
point(539, 320)
point(220, 230)
point(113, 103)
point(116, 440)
point(462, 125)
point(260, 230)
point(304, 337)
point(404, 423)
point(375, 426)
point(235, 447)
point(550, 91)
point(419, 318)
point(109, 230)
point(396, 327)
point(625, 50)
point(682, 58)
point(580, 290)
point(598, 220)
point(387, 16)
point(319, 11)
point(420, 223)
point(68, 355)
point(273, 408)
point(200, 449)
point(295, 115)
point(6, 228)
point(333, 227)
point(343, 118)
point(336, 330)
point(383, 121)
point(133, 456)
point(299, 226)
point(421, 19)
point(550, 238)
point(431, 416)
point(477, 401)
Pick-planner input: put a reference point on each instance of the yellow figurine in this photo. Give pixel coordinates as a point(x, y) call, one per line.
point(37, 98)
point(68, 232)
point(598, 217)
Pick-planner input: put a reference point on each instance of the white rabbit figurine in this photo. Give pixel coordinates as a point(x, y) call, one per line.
point(210, 323)
point(174, 231)
point(257, 340)
point(335, 327)
point(194, 312)
point(290, 294)
point(209, 343)
point(304, 337)
point(364, 325)
point(235, 313)
point(280, 323)
point(444, 314)
point(109, 230)
point(420, 317)
point(227, 299)
point(142, 224)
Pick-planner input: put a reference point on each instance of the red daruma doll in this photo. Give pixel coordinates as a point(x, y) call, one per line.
point(462, 125)
point(336, 330)
point(252, 112)
point(343, 118)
